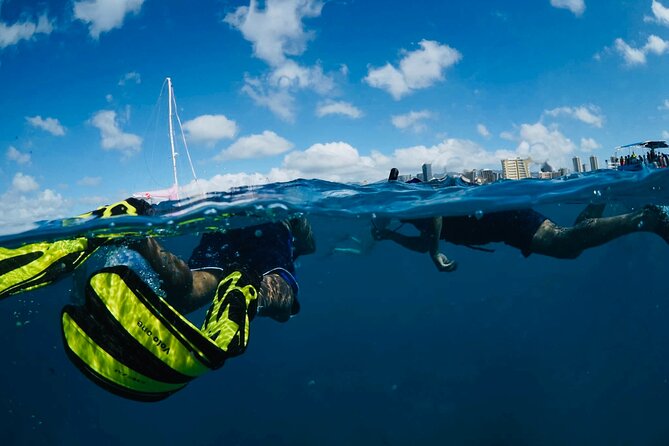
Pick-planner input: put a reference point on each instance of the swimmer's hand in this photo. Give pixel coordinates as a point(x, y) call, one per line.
point(443, 264)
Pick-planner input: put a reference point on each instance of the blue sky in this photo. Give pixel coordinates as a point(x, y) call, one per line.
point(339, 90)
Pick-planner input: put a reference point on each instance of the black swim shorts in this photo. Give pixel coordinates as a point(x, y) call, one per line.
point(515, 228)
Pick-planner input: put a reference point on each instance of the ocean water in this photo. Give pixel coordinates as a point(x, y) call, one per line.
point(506, 350)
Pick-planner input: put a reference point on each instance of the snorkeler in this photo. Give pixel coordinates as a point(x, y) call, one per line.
point(137, 344)
point(525, 229)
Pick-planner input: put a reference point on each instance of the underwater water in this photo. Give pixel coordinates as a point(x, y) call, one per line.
point(386, 350)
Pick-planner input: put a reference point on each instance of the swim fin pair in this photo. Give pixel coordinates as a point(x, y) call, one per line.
point(131, 342)
point(37, 264)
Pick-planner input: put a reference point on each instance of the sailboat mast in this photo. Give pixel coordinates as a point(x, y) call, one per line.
point(174, 153)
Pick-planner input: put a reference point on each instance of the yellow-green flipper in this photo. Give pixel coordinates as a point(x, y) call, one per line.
point(131, 342)
point(37, 264)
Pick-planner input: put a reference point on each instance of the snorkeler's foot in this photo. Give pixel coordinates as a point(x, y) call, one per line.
point(658, 219)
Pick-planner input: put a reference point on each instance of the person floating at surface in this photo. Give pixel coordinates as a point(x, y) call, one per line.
point(130, 337)
point(268, 249)
point(525, 229)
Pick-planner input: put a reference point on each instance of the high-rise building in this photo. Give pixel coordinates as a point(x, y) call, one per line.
point(594, 163)
point(427, 172)
point(578, 167)
point(470, 175)
point(516, 169)
point(489, 176)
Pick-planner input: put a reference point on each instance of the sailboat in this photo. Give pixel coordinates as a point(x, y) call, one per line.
point(173, 192)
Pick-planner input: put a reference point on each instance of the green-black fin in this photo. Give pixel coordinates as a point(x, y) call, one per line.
point(129, 206)
point(37, 264)
point(130, 341)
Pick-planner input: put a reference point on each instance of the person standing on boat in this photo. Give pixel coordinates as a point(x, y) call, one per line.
point(525, 229)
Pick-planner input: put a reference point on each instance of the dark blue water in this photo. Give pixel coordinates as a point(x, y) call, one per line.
point(507, 350)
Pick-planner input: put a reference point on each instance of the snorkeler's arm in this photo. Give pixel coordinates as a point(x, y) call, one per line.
point(433, 236)
point(414, 243)
point(426, 242)
point(186, 290)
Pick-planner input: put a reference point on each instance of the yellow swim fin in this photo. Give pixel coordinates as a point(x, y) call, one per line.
point(129, 206)
point(131, 342)
point(38, 264)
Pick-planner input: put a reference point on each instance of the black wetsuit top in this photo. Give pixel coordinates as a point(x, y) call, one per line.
point(261, 248)
point(515, 228)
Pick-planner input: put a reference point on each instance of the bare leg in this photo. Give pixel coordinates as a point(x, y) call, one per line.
point(186, 290)
point(569, 243)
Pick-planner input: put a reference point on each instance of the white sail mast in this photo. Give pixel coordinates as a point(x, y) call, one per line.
point(174, 153)
point(173, 192)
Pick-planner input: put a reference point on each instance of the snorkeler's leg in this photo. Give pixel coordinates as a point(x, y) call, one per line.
point(186, 290)
point(569, 242)
point(174, 272)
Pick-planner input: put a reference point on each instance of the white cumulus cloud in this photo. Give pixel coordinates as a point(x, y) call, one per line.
point(264, 144)
point(338, 108)
point(131, 76)
point(543, 143)
point(13, 154)
point(277, 33)
point(589, 114)
point(418, 69)
point(637, 56)
point(13, 34)
point(50, 125)
point(224, 182)
point(660, 12)
point(664, 106)
point(105, 15)
point(24, 183)
point(112, 137)
point(210, 129)
point(334, 161)
point(483, 130)
point(340, 161)
point(24, 203)
point(575, 6)
point(589, 144)
point(412, 120)
point(280, 102)
point(452, 155)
